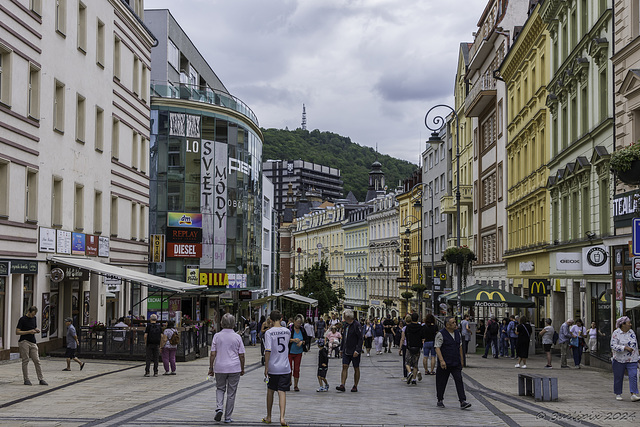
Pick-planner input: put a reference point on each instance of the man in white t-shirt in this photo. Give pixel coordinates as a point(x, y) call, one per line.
point(276, 365)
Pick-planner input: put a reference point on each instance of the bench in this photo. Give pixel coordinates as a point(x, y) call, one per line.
point(538, 386)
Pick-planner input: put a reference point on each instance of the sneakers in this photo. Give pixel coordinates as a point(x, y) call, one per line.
point(218, 416)
point(440, 404)
point(409, 378)
point(517, 365)
point(27, 382)
point(354, 389)
point(414, 382)
point(635, 397)
point(524, 366)
point(228, 420)
point(155, 374)
point(465, 405)
point(484, 357)
point(618, 397)
point(43, 382)
point(368, 355)
point(419, 376)
point(341, 388)
point(565, 367)
point(548, 367)
point(146, 374)
point(322, 388)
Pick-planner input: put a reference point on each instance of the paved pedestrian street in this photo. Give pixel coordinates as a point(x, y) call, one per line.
point(114, 393)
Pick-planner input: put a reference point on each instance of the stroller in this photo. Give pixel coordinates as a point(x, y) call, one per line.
point(334, 347)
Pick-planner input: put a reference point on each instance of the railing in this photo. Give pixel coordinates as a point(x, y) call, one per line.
point(206, 95)
point(128, 343)
point(485, 82)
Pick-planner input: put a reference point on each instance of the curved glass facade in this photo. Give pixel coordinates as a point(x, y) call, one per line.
point(205, 196)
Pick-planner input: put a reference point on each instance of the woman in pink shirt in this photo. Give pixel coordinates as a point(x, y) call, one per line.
point(227, 354)
point(333, 340)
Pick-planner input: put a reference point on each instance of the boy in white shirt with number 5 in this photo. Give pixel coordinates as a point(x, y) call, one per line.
point(276, 365)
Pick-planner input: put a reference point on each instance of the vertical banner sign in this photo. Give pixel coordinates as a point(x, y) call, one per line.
point(46, 313)
point(220, 207)
point(157, 248)
point(85, 309)
point(207, 200)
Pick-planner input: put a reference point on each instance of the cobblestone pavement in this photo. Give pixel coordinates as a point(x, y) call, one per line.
point(114, 393)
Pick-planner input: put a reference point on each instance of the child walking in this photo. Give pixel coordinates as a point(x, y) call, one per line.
point(323, 366)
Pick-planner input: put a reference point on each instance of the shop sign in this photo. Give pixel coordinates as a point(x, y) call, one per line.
point(619, 290)
point(5, 267)
point(75, 273)
point(103, 247)
point(636, 268)
point(157, 303)
point(226, 295)
point(244, 295)
point(595, 260)
point(24, 267)
point(91, 245)
point(47, 238)
point(184, 250)
point(192, 274)
point(527, 266)
point(156, 248)
point(77, 243)
point(237, 281)
point(375, 302)
point(184, 235)
point(214, 280)
point(539, 287)
point(569, 261)
point(182, 219)
point(220, 206)
point(63, 240)
point(112, 283)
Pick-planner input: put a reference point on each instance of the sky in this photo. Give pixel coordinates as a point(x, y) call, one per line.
point(366, 69)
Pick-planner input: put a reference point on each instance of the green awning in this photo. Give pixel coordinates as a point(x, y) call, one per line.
point(454, 294)
point(487, 296)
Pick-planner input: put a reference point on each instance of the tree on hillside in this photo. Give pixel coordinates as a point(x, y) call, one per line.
point(315, 284)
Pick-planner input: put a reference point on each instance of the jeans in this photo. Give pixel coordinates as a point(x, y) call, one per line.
point(442, 377)
point(388, 341)
point(465, 349)
point(169, 359)
point(152, 354)
point(577, 355)
point(513, 342)
point(564, 348)
point(29, 350)
point(404, 361)
point(504, 346)
point(226, 383)
point(618, 376)
point(253, 337)
point(491, 341)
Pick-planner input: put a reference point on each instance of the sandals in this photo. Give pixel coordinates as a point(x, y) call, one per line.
point(264, 420)
point(296, 389)
point(66, 369)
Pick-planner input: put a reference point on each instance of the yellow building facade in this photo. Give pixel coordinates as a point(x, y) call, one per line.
point(525, 71)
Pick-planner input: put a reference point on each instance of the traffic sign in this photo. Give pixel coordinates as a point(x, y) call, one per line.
point(636, 268)
point(636, 236)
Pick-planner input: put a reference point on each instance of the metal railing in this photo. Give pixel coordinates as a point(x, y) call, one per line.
point(207, 95)
point(485, 82)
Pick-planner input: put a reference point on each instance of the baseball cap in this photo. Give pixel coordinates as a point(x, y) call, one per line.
point(68, 319)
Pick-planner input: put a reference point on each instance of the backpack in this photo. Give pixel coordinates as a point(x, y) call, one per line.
point(175, 338)
point(493, 328)
point(555, 337)
point(155, 334)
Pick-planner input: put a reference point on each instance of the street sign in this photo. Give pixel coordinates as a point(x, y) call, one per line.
point(636, 236)
point(636, 268)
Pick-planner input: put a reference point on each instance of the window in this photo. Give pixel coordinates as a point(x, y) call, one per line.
point(141, 228)
point(500, 123)
point(436, 186)
point(266, 207)
point(36, 6)
point(430, 160)
point(56, 203)
point(116, 56)
point(99, 129)
point(265, 239)
point(584, 104)
point(33, 97)
point(500, 181)
point(585, 211)
point(442, 183)
point(58, 107)
point(173, 56)
point(604, 101)
point(82, 27)
point(565, 218)
point(442, 153)
point(115, 138)
point(144, 84)
point(143, 154)
point(437, 245)
point(100, 44)
point(80, 118)
point(31, 208)
point(61, 16)
point(574, 122)
point(5, 75)
point(97, 212)
point(136, 75)
point(489, 190)
point(435, 156)
point(134, 221)
point(575, 211)
point(134, 149)
point(78, 211)
point(113, 220)
point(4, 188)
point(437, 215)
point(27, 296)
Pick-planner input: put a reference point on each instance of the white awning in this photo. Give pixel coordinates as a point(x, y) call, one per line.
point(298, 298)
point(126, 274)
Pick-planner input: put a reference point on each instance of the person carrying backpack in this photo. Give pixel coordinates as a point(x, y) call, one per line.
point(513, 337)
point(169, 346)
point(152, 338)
point(491, 337)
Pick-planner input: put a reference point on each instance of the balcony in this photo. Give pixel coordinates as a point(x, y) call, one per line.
point(448, 203)
point(481, 95)
point(464, 241)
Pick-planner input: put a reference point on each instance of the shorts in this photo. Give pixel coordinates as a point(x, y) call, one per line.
point(322, 372)
point(279, 382)
point(346, 359)
point(547, 347)
point(428, 349)
point(412, 359)
point(70, 353)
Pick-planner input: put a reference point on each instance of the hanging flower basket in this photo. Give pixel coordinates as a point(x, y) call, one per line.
point(458, 255)
point(625, 163)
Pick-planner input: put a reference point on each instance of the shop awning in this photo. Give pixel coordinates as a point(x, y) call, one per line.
point(299, 298)
point(454, 294)
point(262, 300)
point(126, 274)
point(632, 303)
point(487, 296)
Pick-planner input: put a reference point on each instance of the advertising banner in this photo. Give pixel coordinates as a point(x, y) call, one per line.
point(595, 260)
point(77, 244)
point(156, 247)
point(220, 280)
point(91, 246)
point(184, 250)
point(63, 240)
point(103, 247)
point(47, 240)
point(184, 235)
point(193, 274)
point(220, 207)
point(206, 203)
point(46, 315)
point(570, 261)
point(85, 308)
point(539, 287)
point(182, 219)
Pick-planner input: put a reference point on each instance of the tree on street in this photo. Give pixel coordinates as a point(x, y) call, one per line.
point(315, 284)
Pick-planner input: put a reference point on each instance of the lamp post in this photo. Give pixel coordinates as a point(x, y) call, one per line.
point(386, 258)
point(361, 271)
point(439, 123)
point(299, 250)
point(418, 204)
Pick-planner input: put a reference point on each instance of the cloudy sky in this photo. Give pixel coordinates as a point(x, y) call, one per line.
point(366, 69)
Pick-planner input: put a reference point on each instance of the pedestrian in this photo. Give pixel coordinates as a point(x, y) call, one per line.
point(522, 346)
point(308, 328)
point(624, 346)
point(226, 363)
point(169, 347)
point(546, 334)
point(503, 339)
point(334, 320)
point(578, 333)
point(277, 369)
point(27, 328)
point(513, 337)
point(564, 338)
point(266, 325)
point(323, 367)
point(388, 333)
point(593, 334)
point(403, 348)
point(428, 349)
point(491, 337)
point(350, 350)
point(253, 331)
point(333, 339)
point(448, 343)
point(321, 326)
point(297, 345)
point(72, 344)
point(466, 337)
point(259, 328)
point(152, 338)
point(367, 333)
point(378, 335)
point(414, 336)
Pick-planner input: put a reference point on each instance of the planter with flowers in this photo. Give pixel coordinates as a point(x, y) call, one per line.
point(625, 163)
point(461, 255)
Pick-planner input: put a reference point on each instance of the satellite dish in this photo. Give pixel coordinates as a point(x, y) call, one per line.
point(57, 275)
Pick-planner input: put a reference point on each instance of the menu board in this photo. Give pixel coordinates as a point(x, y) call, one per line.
point(63, 242)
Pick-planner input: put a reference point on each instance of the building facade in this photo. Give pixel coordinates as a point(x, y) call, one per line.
point(356, 261)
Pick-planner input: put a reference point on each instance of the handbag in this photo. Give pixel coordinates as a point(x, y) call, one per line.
point(575, 342)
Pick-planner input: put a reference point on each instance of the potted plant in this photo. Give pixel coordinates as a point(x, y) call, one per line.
point(462, 256)
point(96, 326)
point(625, 163)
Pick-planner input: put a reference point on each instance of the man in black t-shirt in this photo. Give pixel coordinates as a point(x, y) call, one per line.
point(26, 329)
point(388, 333)
point(152, 337)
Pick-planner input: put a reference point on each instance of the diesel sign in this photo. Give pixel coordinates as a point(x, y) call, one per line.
point(184, 250)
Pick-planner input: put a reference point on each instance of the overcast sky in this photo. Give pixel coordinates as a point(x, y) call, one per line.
point(366, 69)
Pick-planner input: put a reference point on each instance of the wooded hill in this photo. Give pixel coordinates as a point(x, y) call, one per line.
point(330, 149)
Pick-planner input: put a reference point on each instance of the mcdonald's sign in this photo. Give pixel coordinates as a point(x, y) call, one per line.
point(490, 295)
point(539, 287)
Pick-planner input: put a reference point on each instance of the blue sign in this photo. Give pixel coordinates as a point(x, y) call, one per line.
point(636, 236)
